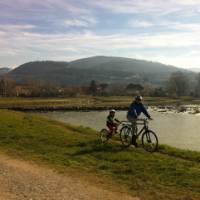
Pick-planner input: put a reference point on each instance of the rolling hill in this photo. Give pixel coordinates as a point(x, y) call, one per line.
point(99, 68)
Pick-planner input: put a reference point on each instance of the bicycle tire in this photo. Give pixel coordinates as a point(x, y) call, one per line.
point(126, 135)
point(104, 135)
point(149, 141)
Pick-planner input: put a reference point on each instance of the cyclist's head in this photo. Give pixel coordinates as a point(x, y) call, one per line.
point(112, 112)
point(138, 98)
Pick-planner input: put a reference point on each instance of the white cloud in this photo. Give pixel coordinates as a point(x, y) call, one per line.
point(18, 41)
point(140, 23)
point(185, 60)
point(44, 11)
point(188, 2)
point(82, 21)
point(67, 5)
point(153, 7)
point(76, 22)
point(23, 44)
point(187, 27)
point(165, 26)
point(14, 27)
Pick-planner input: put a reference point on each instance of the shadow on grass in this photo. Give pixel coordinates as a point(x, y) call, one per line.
point(95, 146)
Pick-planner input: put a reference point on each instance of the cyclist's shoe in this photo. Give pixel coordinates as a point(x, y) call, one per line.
point(136, 144)
point(109, 135)
point(134, 138)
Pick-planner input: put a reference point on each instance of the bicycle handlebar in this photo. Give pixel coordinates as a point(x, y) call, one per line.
point(144, 120)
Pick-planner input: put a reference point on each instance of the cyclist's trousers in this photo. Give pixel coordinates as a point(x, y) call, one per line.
point(112, 127)
point(133, 122)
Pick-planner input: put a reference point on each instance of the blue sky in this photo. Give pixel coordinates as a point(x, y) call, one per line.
point(166, 31)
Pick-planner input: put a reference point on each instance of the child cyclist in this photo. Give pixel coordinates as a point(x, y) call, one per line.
point(112, 123)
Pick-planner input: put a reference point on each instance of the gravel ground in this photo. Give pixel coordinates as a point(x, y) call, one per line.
point(22, 180)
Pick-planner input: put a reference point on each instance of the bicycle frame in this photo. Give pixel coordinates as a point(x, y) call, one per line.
point(143, 129)
point(143, 122)
point(128, 136)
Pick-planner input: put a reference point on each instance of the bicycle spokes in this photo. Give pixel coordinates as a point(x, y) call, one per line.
point(126, 135)
point(149, 141)
point(104, 135)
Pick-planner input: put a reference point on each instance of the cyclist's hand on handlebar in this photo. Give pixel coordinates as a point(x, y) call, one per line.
point(117, 120)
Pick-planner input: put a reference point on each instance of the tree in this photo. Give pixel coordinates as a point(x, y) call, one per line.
point(134, 89)
point(159, 92)
point(93, 87)
point(197, 88)
point(178, 84)
point(7, 86)
point(132, 86)
point(103, 87)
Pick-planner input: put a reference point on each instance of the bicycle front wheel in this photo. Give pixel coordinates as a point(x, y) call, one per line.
point(104, 135)
point(126, 135)
point(149, 141)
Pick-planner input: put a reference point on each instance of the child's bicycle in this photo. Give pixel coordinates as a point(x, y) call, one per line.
point(149, 139)
point(105, 134)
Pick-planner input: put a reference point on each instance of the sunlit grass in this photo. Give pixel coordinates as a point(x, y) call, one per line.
point(168, 174)
point(90, 102)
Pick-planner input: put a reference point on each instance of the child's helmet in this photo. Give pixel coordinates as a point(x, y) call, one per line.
point(112, 111)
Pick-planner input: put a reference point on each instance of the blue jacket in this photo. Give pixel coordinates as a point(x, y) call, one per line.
point(135, 109)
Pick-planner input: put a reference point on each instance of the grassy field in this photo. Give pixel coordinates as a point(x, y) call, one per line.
point(168, 174)
point(88, 102)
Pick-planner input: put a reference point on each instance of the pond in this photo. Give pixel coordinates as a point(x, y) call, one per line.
point(180, 130)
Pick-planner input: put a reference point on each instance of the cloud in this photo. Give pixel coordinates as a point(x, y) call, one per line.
point(184, 60)
point(11, 27)
point(25, 44)
point(49, 5)
point(76, 23)
point(152, 7)
point(161, 26)
point(68, 29)
point(83, 21)
point(140, 23)
point(45, 11)
point(191, 27)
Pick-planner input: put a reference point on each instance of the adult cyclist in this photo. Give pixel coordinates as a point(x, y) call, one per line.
point(134, 111)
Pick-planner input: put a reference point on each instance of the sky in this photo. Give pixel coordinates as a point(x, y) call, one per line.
point(166, 31)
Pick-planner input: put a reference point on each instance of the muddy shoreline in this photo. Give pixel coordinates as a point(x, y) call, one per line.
point(64, 108)
point(190, 109)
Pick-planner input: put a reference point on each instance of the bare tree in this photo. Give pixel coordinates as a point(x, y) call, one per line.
point(7, 86)
point(197, 88)
point(93, 87)
point(103, 87)
point(178, 84)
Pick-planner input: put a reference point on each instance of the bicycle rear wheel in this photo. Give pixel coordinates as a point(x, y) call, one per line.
point(149, 141)
point(104, 135)
point(126, 135)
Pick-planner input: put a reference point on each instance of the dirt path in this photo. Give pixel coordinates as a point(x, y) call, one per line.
point(20, 180)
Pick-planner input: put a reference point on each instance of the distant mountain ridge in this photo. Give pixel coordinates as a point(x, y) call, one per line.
point(99, 68)
point(195, 69)
point(4, 70)
point(120, 63)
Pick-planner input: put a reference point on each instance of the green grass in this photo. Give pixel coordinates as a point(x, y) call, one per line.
point(168, 174)
point(88, 102)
